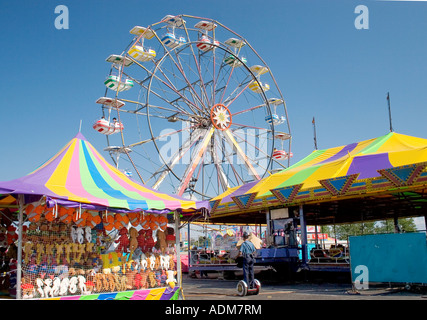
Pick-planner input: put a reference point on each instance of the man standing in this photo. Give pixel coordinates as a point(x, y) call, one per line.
point(247, 251)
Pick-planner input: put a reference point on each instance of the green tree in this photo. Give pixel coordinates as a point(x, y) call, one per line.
point(343, 231)
point(405, 225)
point(204, 242)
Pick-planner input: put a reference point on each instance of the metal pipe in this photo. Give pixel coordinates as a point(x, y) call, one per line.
point(303, 235)
point(178, 248)
point(19, 266)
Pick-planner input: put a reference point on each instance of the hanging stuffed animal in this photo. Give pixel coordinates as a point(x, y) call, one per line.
point(144, 276)
point(98, 278)
point(123, 241)
point(68, 248)
point(137, 281)
point(55, 287)
point(143, 262)
point(141, 239)
point(88, 234)
point(80, 235)
point(149, 241)
point(63, 287)
point(133, 240)
point(11, 234)
point(170, 236)
point(73, 234)
point(171, 262)
point(161, 241)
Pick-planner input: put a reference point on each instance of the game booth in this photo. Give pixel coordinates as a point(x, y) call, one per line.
point(78, 228)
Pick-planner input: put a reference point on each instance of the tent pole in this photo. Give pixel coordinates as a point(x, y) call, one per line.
point(19, 266)
point(268, 237)
point(303, 235)
point(178, 248)
point(188, 244)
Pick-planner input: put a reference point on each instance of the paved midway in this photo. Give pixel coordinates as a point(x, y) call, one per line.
point(215, 289)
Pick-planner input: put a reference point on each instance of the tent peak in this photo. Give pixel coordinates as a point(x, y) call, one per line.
point(80, 136)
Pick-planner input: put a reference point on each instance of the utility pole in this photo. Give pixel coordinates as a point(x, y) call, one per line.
point(389, 111)
point(314, 133)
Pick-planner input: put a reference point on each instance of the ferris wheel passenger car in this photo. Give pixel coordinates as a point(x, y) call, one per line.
point(171, 41)
point(259, 87)
point(141, 54)
point(105, 127)
point(205, 44)
point(113, 82)
point(234, 62)
point(274, 118)
point(280, 155)
point(102, 126)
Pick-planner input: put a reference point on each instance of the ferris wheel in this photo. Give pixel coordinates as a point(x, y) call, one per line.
point(194, 109)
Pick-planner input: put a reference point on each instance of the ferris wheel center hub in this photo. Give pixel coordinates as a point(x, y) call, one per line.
point(220, 117)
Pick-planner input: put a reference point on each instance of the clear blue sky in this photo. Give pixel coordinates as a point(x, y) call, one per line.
point(324, 66)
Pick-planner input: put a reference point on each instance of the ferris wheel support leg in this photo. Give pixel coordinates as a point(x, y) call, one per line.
point(221, 174)
point(178, 155)
point(229, 137)
point(195, 159)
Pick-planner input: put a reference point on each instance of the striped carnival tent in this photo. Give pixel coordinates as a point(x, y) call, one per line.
point(78, 191)
point(79, 175)
point(389, 169)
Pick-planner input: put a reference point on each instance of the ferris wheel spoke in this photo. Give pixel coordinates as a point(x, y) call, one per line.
point(189, 84)
point(248, 110)
point(234, 99)
point(180, 68)
point(251, 127)
point(162, 136)
point(196, 63)
point(143, 106)
point(169, 85)
point(195, 159)
point(177, 91)
point(226, 85)
point(245, 83)
point(158, 95)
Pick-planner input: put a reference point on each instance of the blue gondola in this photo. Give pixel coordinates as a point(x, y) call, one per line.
point(171, 41)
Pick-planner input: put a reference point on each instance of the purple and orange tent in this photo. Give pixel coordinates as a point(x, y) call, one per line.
point(370, 167)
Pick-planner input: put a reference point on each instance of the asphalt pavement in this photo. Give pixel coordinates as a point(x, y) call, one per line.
point(214, 288)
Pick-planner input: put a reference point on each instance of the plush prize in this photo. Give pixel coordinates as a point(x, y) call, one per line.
point(141, 239)
point(11, 234)
point(123, 241)
point(170, 236)
point(151, 279)
point(149, 241)
point(171, 280)
point(161, 241)
point(133, 239)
